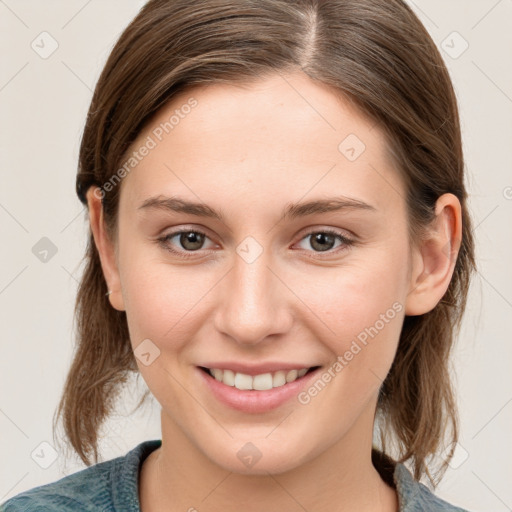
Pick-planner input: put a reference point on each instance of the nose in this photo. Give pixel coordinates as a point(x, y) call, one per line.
point(254, 303)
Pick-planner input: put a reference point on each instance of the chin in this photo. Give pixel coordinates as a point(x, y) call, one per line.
point(258, 457)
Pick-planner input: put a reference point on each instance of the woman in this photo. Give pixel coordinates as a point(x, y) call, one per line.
point(280, 245)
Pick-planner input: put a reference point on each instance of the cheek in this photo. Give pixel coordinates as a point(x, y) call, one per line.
point(157, 305)
point(354, 296)
point(365, 320)
point(359, 314)
point(162, 301)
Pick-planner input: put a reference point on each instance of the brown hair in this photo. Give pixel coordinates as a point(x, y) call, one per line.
point(374, 52)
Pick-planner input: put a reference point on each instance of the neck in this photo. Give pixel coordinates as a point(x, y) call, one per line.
point(178, 476)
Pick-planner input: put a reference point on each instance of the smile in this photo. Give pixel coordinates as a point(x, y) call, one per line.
point(255, 394)
point(261, 382)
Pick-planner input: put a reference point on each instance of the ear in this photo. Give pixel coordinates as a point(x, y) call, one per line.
point(433, 260)
point(106, 247)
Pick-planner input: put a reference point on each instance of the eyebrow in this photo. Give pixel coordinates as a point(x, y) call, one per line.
point(291, 211)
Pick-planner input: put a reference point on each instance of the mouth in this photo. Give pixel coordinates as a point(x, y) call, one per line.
point(261, 382)
point(257, 393)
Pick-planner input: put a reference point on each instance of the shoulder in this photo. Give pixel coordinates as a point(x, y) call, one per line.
point(96, 488)
point(416, 497)
point(83, 490)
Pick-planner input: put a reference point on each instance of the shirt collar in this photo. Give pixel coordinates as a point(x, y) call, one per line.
point(397, 475)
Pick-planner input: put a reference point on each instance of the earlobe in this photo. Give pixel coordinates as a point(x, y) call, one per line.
point(434, 259)
point(106, 249)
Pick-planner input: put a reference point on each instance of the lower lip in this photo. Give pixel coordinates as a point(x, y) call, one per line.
point(253, 401)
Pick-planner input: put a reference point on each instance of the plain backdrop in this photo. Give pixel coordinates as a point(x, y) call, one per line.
point(43, 103)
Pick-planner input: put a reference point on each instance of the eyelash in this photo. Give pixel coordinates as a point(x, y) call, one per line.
point(164, 241)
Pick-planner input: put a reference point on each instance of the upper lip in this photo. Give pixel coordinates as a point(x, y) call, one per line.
point(256, 369)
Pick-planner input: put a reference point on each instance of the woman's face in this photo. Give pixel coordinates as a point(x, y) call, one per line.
point(266, 281)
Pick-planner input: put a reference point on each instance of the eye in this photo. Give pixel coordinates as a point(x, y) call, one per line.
point(324, 240)
point(189, 240)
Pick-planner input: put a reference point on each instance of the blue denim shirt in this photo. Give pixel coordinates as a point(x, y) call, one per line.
point(113, 486)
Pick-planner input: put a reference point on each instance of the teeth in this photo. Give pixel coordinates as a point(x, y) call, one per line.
point(242, 381)
point(260, 382)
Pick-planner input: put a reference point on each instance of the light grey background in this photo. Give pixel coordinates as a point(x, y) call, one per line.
point(43, 105)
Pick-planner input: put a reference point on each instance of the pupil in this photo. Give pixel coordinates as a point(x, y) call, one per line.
point(191, 238)
point(323, 239)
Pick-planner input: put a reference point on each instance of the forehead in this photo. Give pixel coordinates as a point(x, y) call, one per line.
point(286, 134)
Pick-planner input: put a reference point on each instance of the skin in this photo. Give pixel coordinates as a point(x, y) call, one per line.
point(249, 151)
